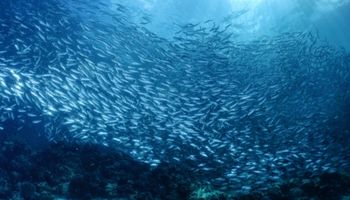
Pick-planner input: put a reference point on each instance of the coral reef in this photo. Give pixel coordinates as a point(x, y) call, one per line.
point(86, 171)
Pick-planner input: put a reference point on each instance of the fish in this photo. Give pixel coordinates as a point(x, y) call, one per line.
point(252, 109)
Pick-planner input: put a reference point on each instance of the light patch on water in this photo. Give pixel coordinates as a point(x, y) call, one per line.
point(148, 4)
point(330, 5)
point(244, 4)
point(260, 17)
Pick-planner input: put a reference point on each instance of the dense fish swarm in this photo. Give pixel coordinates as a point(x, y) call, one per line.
point(254, 112)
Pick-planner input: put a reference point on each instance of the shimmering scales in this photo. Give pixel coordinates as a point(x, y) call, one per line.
point(255, 111)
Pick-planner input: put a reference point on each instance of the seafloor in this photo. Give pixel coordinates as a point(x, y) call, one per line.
point(81, 171)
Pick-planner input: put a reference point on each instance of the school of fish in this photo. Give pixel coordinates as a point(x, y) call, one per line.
point(253, 112)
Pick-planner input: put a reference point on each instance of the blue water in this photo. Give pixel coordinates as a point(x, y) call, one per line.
point(251, 93)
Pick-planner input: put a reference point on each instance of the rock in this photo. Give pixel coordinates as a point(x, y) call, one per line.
point(65, 188)
point(4, 188)
point(111, 189)
point(310, 188)
point(345, 197)
point(73, 171)
point(27, 190)
point(86, 187)
point(45, 196)
point(295, 192)
point(253, 196)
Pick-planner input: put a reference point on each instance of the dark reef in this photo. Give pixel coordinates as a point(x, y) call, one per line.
point(85, 171)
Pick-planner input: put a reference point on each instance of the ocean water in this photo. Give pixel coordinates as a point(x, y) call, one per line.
point(241, 96)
